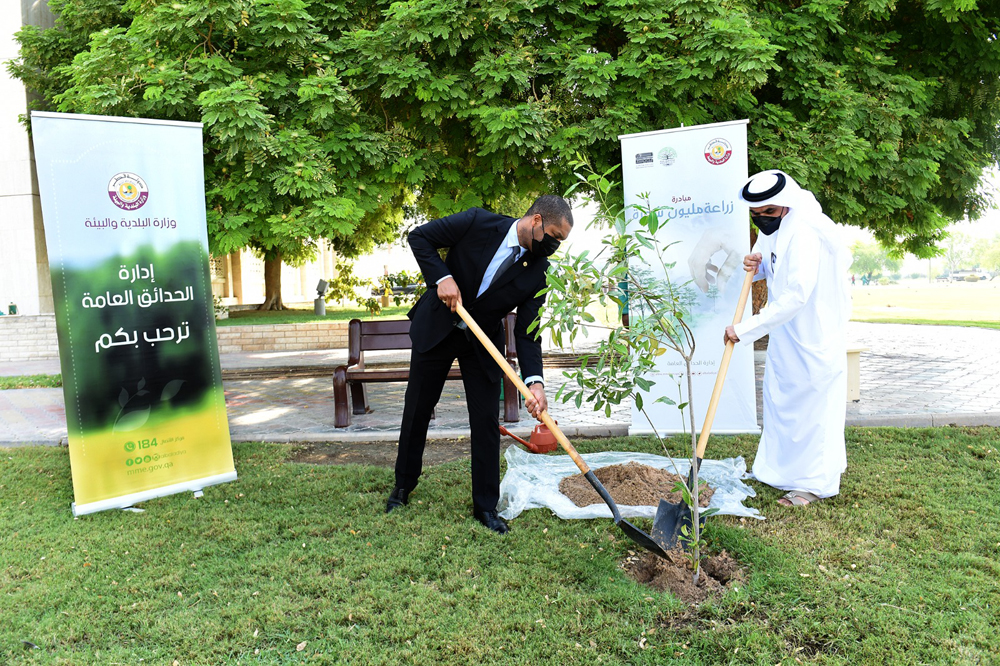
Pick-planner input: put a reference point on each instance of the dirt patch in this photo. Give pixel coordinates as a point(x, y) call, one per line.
point(674, 574)
point(379, 454)
point(630, 484)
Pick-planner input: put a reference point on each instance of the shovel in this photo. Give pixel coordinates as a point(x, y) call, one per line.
point(631, 531)
point(671, 518)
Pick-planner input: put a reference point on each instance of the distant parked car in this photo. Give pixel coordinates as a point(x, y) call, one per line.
point(971, 275)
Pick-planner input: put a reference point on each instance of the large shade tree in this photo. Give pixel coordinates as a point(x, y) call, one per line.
point(322, 118)
point(887, 110)
point(292, 158)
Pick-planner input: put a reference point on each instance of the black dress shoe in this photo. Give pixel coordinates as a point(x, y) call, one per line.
point(492, 520)
point(397, 498)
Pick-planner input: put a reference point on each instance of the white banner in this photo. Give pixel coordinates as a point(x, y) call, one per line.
point(693, 174)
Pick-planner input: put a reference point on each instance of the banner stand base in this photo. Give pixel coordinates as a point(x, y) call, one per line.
point(126, 501)
point(662, 432)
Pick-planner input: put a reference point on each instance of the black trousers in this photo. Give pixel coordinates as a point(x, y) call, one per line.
point(428, 373)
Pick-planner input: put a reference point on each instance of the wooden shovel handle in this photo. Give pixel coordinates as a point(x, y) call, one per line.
point(720, 378)
point(509, 371)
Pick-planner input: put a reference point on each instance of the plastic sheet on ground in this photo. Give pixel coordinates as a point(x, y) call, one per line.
point(532, 482)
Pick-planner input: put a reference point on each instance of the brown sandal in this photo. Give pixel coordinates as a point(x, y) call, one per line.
point(798, 498)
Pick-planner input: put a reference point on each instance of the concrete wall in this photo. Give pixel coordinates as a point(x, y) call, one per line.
point(282, 337)
point(24, 267)
point(28, 338)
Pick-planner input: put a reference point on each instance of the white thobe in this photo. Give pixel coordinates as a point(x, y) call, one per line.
point(805, 373)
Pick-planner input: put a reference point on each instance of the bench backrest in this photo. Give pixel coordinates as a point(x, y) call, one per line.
point(365, 336)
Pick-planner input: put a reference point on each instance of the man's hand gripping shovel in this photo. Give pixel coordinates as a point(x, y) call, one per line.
point(633, 532)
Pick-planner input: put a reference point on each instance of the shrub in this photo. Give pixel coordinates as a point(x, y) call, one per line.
point(972, 278)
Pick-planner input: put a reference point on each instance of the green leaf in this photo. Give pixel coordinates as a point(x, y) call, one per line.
point(132, 420)
point(171, 389)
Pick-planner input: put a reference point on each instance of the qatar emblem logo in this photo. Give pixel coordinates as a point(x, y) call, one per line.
point(127, 191)
point(718, 151)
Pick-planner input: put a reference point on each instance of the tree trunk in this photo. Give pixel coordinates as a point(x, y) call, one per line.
point(272, 284)
point(759, 291)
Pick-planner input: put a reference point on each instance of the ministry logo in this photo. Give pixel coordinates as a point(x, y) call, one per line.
point(718, 151)
point(127, 191)
point(643, 160)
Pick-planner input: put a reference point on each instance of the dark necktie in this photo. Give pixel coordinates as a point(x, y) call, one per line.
point(507, 263)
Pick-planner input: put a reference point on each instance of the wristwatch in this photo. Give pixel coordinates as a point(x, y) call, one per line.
point(535, 381)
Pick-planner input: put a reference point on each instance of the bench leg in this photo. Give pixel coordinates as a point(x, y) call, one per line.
point(511, 402)
point(359, 398)
point(341, 412)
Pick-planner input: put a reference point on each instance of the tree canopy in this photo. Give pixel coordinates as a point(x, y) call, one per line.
point(323, 119)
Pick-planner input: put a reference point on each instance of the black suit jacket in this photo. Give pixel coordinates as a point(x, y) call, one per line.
point(473, 237)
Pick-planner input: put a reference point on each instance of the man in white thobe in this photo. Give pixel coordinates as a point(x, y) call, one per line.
point(808, 304)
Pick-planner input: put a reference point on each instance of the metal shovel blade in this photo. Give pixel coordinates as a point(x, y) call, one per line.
point(630, 530)
point(671, 518)
point(667, 524)
point(641, 538)
point(670, 522)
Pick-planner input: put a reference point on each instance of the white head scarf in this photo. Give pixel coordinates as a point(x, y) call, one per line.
point(777, 188)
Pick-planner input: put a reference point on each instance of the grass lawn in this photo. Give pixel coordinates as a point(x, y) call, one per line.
point(300, 316)
point(30, 381)
point(297, 564)
point(917, 302)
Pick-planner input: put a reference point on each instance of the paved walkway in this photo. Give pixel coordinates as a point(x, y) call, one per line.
point(912, 376)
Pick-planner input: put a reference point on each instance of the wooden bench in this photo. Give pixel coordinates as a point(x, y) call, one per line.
point(365, 336)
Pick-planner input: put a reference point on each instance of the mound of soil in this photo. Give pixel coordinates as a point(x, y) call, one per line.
point(674, 574)
point(630, 484)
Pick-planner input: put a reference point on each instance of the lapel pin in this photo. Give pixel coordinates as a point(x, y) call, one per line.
point(525, 263)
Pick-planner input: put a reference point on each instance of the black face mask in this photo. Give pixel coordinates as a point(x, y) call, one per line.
point(767, 224)
point(544, 247)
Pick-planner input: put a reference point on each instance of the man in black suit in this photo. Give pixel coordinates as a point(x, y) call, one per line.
point(495, 264)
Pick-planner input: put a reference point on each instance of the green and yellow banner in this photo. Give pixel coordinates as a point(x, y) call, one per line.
point(123, 203)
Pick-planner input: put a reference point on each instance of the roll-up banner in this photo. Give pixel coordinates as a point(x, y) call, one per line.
point(692, 175)
point(123, 203)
